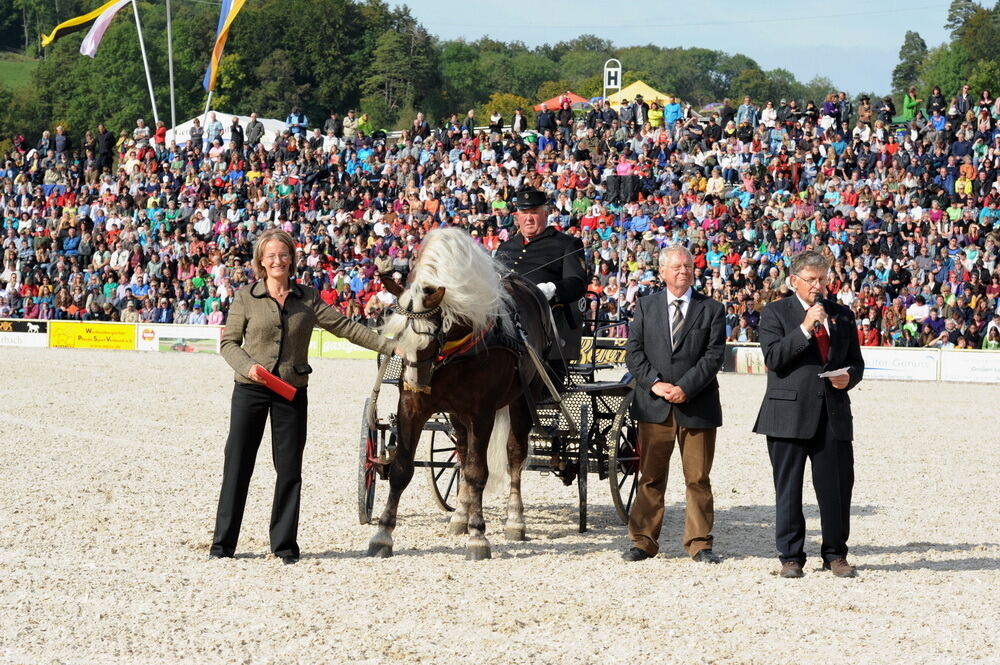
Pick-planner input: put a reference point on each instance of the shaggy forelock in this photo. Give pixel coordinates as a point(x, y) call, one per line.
point(473, 293)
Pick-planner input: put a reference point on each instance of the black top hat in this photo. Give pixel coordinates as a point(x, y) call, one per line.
point(525, 199)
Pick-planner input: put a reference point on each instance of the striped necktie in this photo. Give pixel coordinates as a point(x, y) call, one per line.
point(677, 322)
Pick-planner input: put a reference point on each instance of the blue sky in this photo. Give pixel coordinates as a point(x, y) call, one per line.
point(855, 43)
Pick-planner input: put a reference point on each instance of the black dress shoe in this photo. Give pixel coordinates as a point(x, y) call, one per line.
point(216, 555)
point(707, 556)
point(636, 554)
point(289, 560)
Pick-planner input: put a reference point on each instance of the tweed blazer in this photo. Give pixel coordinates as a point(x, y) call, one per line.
point(259, 332)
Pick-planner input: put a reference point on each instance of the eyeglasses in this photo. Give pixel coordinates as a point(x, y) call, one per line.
point(812, 282)
point(271, 258)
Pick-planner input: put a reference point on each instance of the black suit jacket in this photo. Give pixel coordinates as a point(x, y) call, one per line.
point(795, 395)
point(693, 365)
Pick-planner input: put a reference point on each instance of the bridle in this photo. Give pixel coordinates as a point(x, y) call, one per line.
point(423, 366)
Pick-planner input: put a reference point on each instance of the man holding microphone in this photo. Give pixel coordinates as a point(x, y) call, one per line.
point(813, 359)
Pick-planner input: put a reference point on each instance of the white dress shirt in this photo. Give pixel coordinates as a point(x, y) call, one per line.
point(685, 303)
point(806, 331)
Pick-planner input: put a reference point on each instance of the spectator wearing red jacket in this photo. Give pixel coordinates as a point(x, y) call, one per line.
point(868, 335)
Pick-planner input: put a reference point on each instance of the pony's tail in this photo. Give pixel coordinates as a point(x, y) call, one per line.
point(496, 455)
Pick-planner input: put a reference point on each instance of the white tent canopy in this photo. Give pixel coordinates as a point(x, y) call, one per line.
point(272, 128)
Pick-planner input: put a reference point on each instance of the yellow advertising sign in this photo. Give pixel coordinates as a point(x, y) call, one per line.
point(335, 347)
point(86, 335)
point(610, 350)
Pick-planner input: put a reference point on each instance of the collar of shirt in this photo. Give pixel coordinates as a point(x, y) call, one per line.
point(685, 299)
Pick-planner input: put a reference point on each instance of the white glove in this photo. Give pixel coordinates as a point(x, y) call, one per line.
point(548, 288)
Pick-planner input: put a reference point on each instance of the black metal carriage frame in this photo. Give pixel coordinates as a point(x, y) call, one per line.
point(602, 441)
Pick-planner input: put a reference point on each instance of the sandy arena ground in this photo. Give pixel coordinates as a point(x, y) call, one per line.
point(111, 465)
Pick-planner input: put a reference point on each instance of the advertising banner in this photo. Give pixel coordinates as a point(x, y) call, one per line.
point(332, 346)
point(970, 365)
point(92, 335)
point(316, 343)
point(178, 339)
point(900, 364)
point(743, 359)
point(17, 332)
point(610, 350)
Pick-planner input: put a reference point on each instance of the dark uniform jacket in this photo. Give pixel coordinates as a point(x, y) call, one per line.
point(795, 395)
point(554, 257)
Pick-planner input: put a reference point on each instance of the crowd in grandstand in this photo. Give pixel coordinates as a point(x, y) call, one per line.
point(125, 226)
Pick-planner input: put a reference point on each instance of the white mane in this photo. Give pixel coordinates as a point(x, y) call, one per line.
point(473, 294)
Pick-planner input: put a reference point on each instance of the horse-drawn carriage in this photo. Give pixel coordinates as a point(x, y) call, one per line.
point(599, 440)
point(475, 395)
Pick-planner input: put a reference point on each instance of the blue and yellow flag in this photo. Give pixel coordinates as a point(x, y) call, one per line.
point(230, 8)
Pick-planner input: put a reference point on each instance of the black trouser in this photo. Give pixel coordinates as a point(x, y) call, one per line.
point(250, 408)
point(833, 479)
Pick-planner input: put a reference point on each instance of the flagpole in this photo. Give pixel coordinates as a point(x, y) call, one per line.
point(204, 119)
point(170, 66)
point(145, 61)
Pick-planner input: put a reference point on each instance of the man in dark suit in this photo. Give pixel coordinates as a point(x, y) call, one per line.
point(805, 416)
point(555, 263)
point(675, 350)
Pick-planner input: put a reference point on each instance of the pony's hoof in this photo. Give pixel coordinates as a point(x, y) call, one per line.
point(514, 532)
point(477, 551)
point(458, 528)
point(380, 551)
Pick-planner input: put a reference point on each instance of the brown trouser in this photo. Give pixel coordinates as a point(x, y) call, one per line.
point(656, 443)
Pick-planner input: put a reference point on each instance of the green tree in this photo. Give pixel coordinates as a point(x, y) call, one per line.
point(592, 86)
point(530, 70)
point(388, 74)
point(817, 89)
point(911, 56)
point(578, 65)
point(461, 78)
point(755, 83)
point(980, 35)
point(276, 89)
point(985, 76)
point(959, 12)
point(946, 66)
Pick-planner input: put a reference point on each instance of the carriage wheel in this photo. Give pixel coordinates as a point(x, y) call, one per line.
point(444, 471)
point(368, 461)
point(584, 465)
point(623, 459)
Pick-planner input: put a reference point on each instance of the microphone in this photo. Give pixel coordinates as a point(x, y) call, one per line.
point(820, 301)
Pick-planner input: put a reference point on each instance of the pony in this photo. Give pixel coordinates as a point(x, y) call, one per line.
point(458, 325)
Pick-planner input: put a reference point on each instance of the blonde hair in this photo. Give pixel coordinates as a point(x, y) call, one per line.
point(258, 249)
point(474, 294)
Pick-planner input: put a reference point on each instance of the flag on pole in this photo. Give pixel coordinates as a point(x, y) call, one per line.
point(230, 8)
point(96, 34)
point(76, 24)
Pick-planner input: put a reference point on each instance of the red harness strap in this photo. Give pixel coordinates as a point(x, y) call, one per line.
point(462, 345)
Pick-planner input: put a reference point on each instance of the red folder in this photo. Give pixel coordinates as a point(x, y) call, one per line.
point(283, 388)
